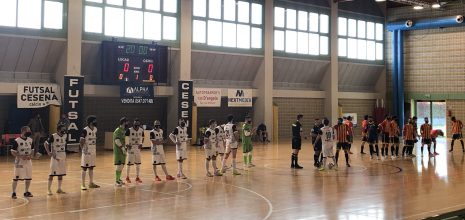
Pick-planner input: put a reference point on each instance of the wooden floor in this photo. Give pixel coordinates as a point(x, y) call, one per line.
point(400, 189)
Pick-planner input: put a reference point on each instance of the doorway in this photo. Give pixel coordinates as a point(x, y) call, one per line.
point(435, 111)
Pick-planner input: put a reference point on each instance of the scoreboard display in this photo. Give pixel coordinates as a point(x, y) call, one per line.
point(132, 62)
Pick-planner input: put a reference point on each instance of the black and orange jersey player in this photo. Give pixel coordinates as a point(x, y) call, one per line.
point(425, 132)
point(385, 127)
point(342, 131)
point(409, 137)
point(394, 133)
point(457, 127)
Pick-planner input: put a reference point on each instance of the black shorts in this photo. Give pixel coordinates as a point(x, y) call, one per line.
point(364, 138)
point(395, 140)
point(433, 140)
point(385, 138)
point(343, 146)
point(426, 141)
point(373, 141)
point(296, 143)
point(456, 136)
point(350, 139)
point(410, 142)
point(318, 146)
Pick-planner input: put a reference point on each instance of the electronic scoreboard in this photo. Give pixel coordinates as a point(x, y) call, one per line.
point(132, 62)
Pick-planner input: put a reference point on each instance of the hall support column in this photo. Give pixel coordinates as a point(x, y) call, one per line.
point(330, 81)
point(263, 107)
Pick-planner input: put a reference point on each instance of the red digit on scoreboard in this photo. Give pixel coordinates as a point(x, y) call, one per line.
point(151, 77)
point(150, 70)
point(137, 76)
point(120, 77)
point(126, 67)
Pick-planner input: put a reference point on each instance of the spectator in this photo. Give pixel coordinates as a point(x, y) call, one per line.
point(262, 133)
point(37, 129)
point(64, 120)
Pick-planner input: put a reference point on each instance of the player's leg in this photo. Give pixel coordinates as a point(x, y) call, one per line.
point(377, 150)
point(14, 185)
point(207, 167)
point(91, 178)
point(371, 150)
point(83, 178)
point(128, 171)
point(363, 144)
point(138, 180)
point(49, 185)
point(215, 168)
point(346, 154)
point(26, 188)
point(461, 142)
point(168, 176)
point(296, 159)
point(234, 154)
point(452, 143)
point(154, 168)
point(60, 183)
point(118, 170)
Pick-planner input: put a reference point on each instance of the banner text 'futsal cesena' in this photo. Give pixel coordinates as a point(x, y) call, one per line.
point(38, 93)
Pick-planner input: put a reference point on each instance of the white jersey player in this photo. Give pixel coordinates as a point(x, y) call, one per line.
point(158, 153)
point(211, 152)
point(232, 136)
point(135, 137)
point(180, 138)
point(88, 144)
point(55, 147)
point(220, 138)
point(23, 151)
point(327, 137)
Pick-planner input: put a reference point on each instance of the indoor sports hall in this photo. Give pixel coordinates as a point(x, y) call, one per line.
point(232, 109)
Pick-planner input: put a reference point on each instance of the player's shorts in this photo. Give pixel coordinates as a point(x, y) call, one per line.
point(410, 142)
point(385, 138)
point(373, 141)
point(57, 167)
point(181, 151)
point(133, 156)
point(426, 141)
point(433, 140)
point(158, 155)
point(210, 152)
point(350, 139)
point(318, 146)
point(296, 143)
point(220, 147)
point(456, 136)
point(88, 158)
point(230, 145)
point(328, 150)
point(22, 170)
point(395, 140)
point(343, 146)
point(364, 138)
point(247, 146)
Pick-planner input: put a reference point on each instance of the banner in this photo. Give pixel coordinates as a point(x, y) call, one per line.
point(185, 99)
point(136, 93)
point(207, 97)
point(73, 105)
point(239, 98)
point(38, 95)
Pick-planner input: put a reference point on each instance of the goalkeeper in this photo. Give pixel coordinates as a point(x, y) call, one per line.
point(247, 141)
point(119, 149)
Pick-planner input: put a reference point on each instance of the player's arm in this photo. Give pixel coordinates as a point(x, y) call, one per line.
point(235, 132)
point(14, 149)
point(206, 138)
point(48, 145)
point(142, 139)
point(173, 138)
point(82, 141)
point(127, 133)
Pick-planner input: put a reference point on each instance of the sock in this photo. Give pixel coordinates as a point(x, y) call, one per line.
point(361, 148)
point(463, 148)
point(382, 150)
point(452, 145)
point(429, 149)
point(117, 175)
point(315, 158)
point(49, 186)
point(386, 150)
point(371, 149)
point(397, 150)
point(83, 178)
point(323, 163)
point(91, 175)
point(392, 150)
point(434, 147)
point(137, 170)
point(207, 165)
point(293, 160)
point(347, 157)
point(215, 168)
point(422, 150)
point(179, 167)
point(321, 157)
point(234, 164)
point(60, 181)
point(250, 157)
point(26, 186)
point(128, 170)
point(404, 150)
point(337, 156)
point(377, 150)
point(14, 185)
point(245, 159)
point(154, 168)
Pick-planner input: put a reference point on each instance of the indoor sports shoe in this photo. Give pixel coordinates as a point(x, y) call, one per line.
point(138, 180)
point(158, 179)
point(223, 170)
point(83, 188)
point(251, 165)
point(13, 196)
point(218, 173)
point(49, 192)
point(436, 153)
point(128, 180)
point(209, 174)
point(119, 183)
point(431, 155)
point(348, 165)
point(182, 176)
point(169, 177)
point(94, 186)
point(321, 169)
point(28, 194)
point(236, 173)
point(59, 191)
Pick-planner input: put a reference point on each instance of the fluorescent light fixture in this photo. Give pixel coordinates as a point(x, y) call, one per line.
point(380, 0)
point(417, 7)
point(436, 5)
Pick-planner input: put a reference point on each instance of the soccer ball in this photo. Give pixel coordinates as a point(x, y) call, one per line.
point(330, 165)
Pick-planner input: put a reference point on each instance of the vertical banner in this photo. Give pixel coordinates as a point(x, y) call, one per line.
point(185, 99)
point(73, 106)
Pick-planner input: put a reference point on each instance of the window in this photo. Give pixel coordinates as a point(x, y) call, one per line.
point(360, 39)
point(32, 14)
point(154, 20)
point(301, 32)
point(229, 23)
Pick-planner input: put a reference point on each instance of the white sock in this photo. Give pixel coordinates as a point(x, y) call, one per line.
point(179, 167)
point(59, 183)
point(49, 185)
point(163, 166)
point(234, 163)
point(91, 176)
point(128, 170)
point(83, 178)
point(155, 170)
point(137, 170)
point(207, 165)
point(215, 168)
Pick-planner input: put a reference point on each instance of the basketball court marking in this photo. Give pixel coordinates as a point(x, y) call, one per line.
point(26, 201)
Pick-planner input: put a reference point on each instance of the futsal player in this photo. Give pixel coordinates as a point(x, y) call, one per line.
point(120, 150)
point(55, 147)
point(180, 138)
point(210, 149)
point(232, 136)
point(88, 144)
point(246, 137)
point(135, 135)
point(350, 136)
point(434, 135)
point(158, 153)
point(23, 151)
point(317, 143)
point(220, 138)
point(326, 136)
point(342, 132)
point(394, 133)
point(425, 132)
point(457, 127)
point(372, 132)
point(409, 137)
point(296, 142)
point(364, 135)
point(385, 127)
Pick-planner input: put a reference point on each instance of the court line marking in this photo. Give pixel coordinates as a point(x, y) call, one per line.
point(93, 208)
point(21, 205)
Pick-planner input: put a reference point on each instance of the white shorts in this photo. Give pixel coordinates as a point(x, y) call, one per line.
point(57, 168)
point(210, 152)
point(88, 158)
point(220, 147)
point(230, 145)
point(328, 150)
point(133, 156)
point(22, 170)
point(181, 151)
point(158, 155)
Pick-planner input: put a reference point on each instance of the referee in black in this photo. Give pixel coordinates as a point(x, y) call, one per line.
point(296, 142)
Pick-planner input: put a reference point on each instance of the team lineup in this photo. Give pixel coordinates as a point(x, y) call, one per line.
point(220, 142)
